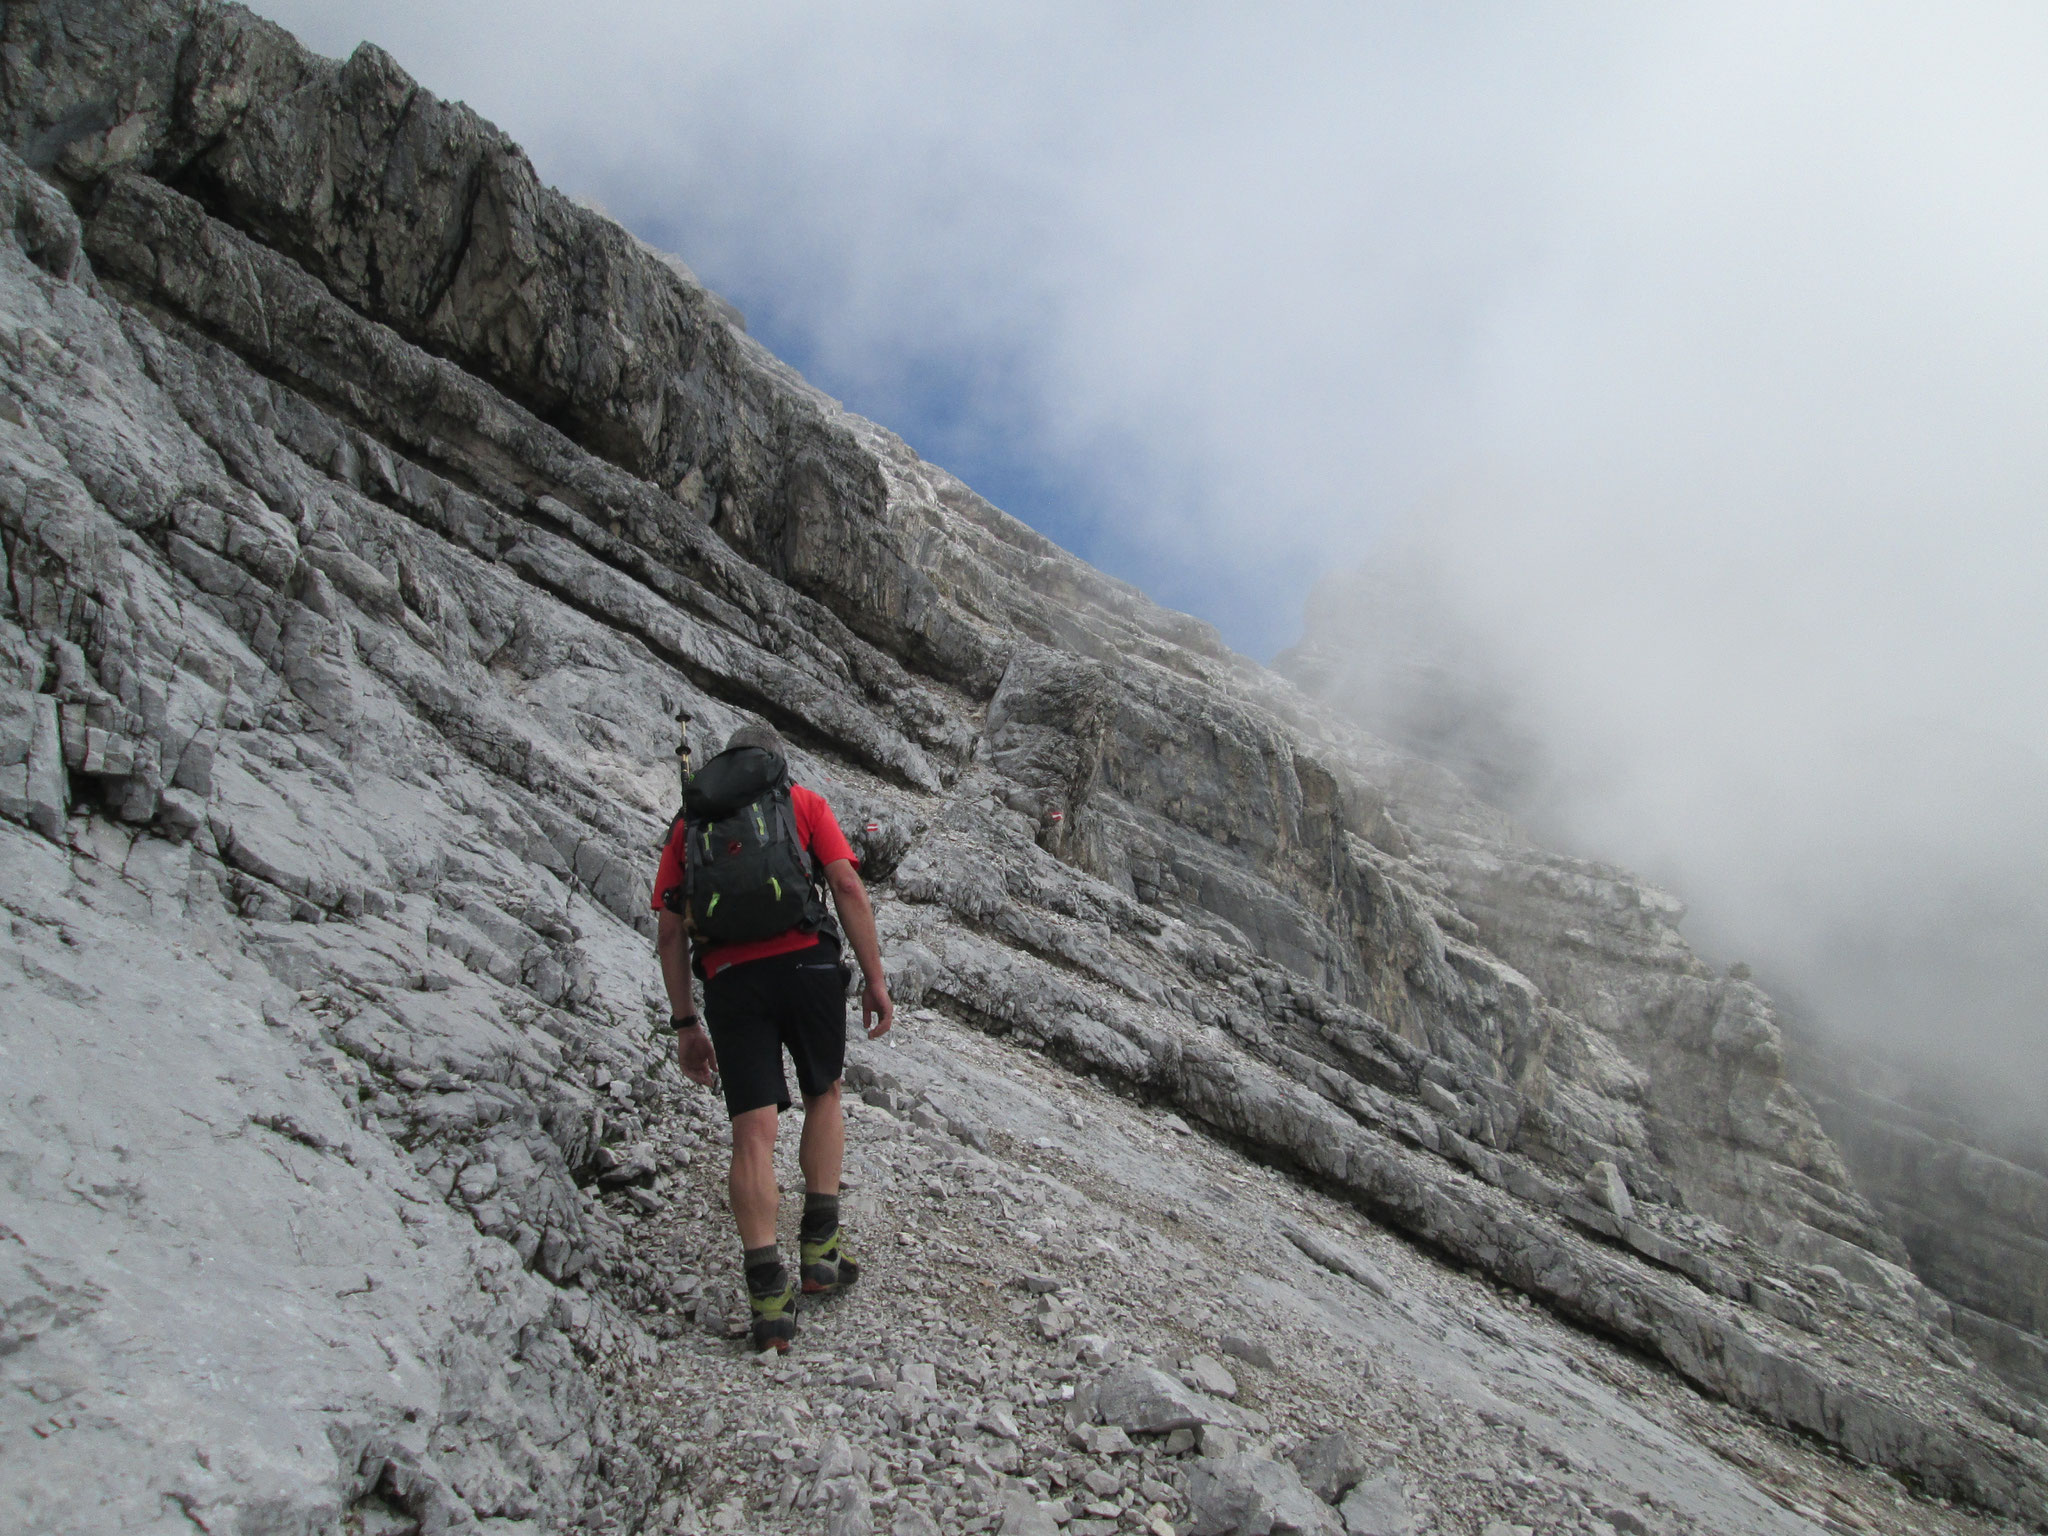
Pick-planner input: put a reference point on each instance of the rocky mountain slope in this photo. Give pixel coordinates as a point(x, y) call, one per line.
point(1968, 1198)
point(1959, 1180)
point(369, 513)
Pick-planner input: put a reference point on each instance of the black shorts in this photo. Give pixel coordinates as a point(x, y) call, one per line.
point(755, 1009)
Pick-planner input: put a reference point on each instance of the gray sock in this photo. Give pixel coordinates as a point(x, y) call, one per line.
point(764, 1268)
point(821, 1216)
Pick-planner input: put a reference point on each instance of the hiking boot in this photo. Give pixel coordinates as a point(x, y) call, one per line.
point(772, 1300)
point(827, 1266)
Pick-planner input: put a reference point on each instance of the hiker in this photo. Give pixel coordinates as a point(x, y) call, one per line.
point(741, 872)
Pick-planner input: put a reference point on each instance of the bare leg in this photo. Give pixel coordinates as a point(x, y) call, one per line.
point(823, 1148)
point(752, 1185)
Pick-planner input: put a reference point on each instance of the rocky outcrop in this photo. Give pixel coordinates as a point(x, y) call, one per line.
point(1970, 1204)
point(369, 513)
point(1827, 1155)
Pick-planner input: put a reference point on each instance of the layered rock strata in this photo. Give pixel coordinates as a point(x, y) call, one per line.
point(1970, 1205)
point(369, 513)
point(1788, 1131)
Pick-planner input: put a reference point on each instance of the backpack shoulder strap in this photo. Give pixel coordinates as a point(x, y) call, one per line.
point(785, 815)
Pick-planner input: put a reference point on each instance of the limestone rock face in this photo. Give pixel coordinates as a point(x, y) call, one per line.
point(1970, 1204)
point(1824, 1153)
point(369, 512)
point(1825, 1162)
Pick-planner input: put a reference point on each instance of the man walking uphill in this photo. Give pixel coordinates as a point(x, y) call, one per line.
point(740, 876)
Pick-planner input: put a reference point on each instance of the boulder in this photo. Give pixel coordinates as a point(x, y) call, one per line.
point(1247, 1495)
point(1208, 1374)
point(1251, 1351)
point(1606, 1185)
point(848, 1511)
point(1378, 1507)
point(1329, 1464)
point(1022, 1515)
point(1143, 1400)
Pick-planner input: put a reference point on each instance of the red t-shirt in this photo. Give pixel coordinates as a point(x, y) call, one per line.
point(816, 829)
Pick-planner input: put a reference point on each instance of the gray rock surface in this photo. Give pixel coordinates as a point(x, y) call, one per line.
point(1606, 1186)
point(1969, 1200)
point(1207, 1374)
point(369, 511)
point(1022, 1516)
point(1338, 1258)
point(1378, 1506)
point(1329, 1464)
point(1143, 1400)
point(1251, 1351)
point(1254, 1496)
point(1812, 1142)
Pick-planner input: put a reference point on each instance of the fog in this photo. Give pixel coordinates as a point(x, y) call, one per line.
point(1687, 365)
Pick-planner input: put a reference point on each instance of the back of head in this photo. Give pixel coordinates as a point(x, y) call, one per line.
point(759, 735)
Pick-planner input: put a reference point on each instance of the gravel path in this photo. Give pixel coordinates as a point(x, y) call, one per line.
point(1027, 1235)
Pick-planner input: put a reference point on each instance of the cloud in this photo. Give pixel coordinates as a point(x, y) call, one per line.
point(1699, 353)
point(1751, 537)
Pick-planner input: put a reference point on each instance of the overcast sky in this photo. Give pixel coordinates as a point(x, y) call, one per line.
point(1705, 347)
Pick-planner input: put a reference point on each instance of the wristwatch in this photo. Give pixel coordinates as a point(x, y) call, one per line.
point(683, 1022)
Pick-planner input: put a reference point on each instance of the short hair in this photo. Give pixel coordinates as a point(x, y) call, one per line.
point(757, 734)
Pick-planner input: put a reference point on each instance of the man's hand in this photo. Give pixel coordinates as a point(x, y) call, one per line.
point(857, 918)
point(695, 1055)
point(877, 1013)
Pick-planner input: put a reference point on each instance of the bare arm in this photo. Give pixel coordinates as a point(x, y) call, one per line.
point(857, 918)
point(693, 1046)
